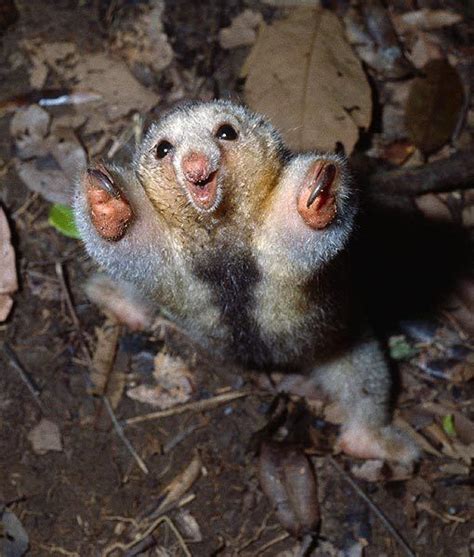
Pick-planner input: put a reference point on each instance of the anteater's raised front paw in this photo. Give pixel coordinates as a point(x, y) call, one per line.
point(317, 195)
point(110, 211)
point(387, 443)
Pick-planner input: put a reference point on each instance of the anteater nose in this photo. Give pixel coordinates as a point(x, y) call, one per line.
point(196, 166)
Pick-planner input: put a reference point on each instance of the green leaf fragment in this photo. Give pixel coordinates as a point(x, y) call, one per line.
point(61, 217)
point(448, 425)
point(400, 349)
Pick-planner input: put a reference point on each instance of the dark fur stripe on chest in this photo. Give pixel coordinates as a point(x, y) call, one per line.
point(233, 276)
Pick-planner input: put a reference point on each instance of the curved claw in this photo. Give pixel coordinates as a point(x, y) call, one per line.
point(317, 195)
point(104, 181)
point(323, 179)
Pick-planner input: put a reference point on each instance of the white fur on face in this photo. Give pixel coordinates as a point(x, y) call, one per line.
point(192, 128)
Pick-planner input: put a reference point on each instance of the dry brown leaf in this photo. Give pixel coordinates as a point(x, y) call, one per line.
point(47, 162)
point(433, 208)
point(188, 525)
point(8, 276)
point(425, 19)
point(378, 470)
point(434, 106)
point(303, 74)
point(289, 481)
point(180, 484)
point(242, 31)
point(174, 384)
point(45, 437)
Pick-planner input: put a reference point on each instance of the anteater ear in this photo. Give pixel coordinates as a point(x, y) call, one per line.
point(110, 211)
point(317, 194)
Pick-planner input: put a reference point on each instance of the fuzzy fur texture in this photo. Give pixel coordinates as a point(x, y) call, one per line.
point(248, 278)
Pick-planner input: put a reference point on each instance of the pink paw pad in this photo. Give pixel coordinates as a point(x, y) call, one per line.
point(110, 211)
point(317, 197)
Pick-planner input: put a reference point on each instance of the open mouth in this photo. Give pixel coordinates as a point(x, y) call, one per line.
point(204, 192)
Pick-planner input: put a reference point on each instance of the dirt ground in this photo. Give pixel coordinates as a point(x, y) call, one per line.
point(88, 492)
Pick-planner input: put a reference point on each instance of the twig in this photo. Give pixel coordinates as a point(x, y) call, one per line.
point(145, 534)
point(25, 376)
point(258, 533)
point(273, 542)
point(67, 294)
point(197, 406)
point(373, 507)
point(177, 439)
point(58, 549)
point(25, 205)
point(121, 434)
point(456, 172)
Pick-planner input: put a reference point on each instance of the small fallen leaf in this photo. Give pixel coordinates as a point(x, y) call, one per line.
point(13, 537)
point(174, 384)
point(48, 157)
point(61, 217)
point(434, 106)
point(188, 525)
point(304, 76)
point(433, 207)
point(8, 276)
point(425, 20)
point(448, 425)
point(242, 31)
point(378, 470)
point(288, 480)
point(45, 437)
point(180, 484)
point(400, 349)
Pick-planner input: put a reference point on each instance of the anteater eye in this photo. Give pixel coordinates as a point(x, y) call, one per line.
point(163, 148)
point(227, 132)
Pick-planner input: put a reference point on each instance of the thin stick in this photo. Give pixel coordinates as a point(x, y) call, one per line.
point(271, 543)
point(25, 376)
point(70, 306)
point(373, 507)
point(145, 534)
point(121, 434)
point(198, 406)
point(455, 172)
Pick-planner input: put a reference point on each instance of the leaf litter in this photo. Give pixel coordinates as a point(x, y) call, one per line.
point(8, 275)
point(327, 98)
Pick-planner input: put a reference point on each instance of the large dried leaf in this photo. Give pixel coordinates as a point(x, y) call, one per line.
point(289, 481)
point(303, 74)
point(434, 105)
point(8, 277)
